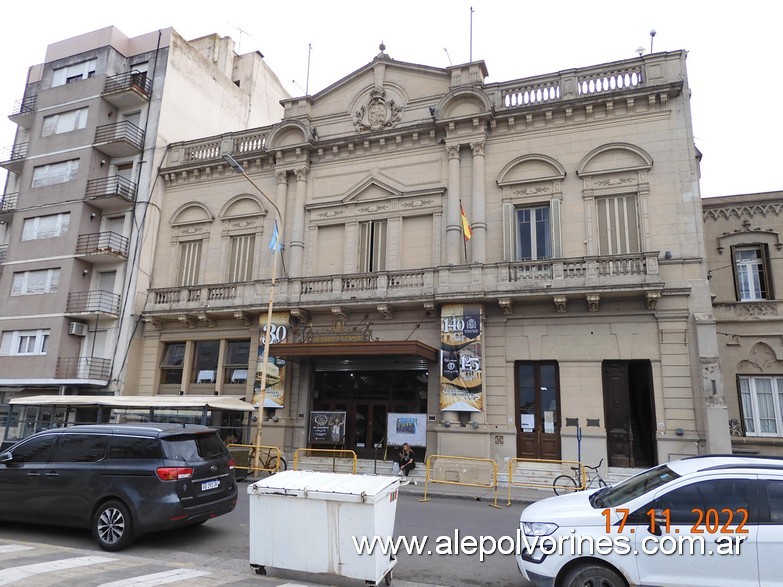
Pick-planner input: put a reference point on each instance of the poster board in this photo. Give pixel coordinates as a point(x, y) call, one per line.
point(327, 428)
point(410, 428)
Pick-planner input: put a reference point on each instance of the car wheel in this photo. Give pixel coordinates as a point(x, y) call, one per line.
point(592, 576)
point(564, 484)
point(111, 526)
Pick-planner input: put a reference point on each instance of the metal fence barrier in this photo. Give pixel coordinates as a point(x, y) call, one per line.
point(269, 460)
point(327, 452)
point(548, 483)
point(492, 484)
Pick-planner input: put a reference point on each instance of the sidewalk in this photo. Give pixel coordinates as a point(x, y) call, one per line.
point(436, 490)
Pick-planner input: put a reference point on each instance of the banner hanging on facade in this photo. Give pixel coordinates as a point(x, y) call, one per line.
point(460, 358)
point(275, 369)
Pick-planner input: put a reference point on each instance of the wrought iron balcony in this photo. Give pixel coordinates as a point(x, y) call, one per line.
point(120, 139)
point(12, 158)
point(83, 368)
point(24, 111)
point(8, 205)
point(93, 302)
point(102, 247)
point(110, 193)
point(128, 90)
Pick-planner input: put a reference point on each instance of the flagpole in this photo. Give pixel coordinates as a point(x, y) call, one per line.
point(268, 329)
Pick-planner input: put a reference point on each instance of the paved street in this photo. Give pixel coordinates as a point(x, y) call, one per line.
point(217, 553)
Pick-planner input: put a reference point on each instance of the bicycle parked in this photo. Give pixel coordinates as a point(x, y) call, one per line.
point(569, 483)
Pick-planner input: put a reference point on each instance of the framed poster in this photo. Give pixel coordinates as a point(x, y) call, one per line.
point(410, 428)
point(327, 427)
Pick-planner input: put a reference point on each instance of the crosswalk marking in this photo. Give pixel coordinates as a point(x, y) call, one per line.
point(27, 571)
point(157, 578)
point(14, 548)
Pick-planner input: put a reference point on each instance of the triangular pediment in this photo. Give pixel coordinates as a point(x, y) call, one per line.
point(376, 186)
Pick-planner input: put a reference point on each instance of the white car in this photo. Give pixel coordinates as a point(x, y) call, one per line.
point(708, 520)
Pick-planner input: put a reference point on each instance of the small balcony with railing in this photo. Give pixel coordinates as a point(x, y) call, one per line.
point(93, 302)
point(24, 111)
point(83, 370)
point(128, 90)
point(102, 248)
point(120, 139)
point(8, 203)
point(110, 193)
point(13, 158)
point(3, 256)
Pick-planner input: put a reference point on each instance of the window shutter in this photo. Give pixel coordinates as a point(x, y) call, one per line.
point(557, 247)
point(509, 233)
point(190, 262)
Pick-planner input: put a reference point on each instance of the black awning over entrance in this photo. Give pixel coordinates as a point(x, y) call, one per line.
point(355, 349)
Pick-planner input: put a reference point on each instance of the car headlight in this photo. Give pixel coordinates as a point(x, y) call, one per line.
point(538, 528)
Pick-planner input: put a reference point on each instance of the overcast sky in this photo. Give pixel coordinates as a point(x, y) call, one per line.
point(733, 57)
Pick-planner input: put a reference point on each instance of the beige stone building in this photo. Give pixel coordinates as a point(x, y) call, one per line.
point(743, 244)
point(575, 320)
point(80, 208)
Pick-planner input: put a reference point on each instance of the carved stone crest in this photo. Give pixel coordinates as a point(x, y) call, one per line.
point(378, 113)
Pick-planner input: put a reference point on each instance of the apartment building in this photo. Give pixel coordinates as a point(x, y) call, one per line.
point(743, 244)
point(510, 270)
point(82, 200)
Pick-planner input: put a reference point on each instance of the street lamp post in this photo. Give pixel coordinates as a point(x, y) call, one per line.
point(268, 329)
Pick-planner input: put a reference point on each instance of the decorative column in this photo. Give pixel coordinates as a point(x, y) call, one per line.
point(454, 249)
point(478, 217)
point(282, 204)
point(297, 238)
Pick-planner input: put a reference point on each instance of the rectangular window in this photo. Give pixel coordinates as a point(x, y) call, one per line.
point(206, 361)
point(48, 226)
point(237, 361)
point(618, 225)
point(75, 72)
point(750, 273)
point(27, 283)
point(172, 363)
point(189, 263)
point(64, 122)
point(55, 173)
point(534, 236)
point(17, 343)
point(372, 246)
point(241, 262)
point(762, 404)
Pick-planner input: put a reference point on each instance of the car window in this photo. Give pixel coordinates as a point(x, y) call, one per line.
point(130, 447)
point(194, 447)
point(635, 486)
point(724, 500)
point(81, 448)
point(35, 450)
point(775, 497)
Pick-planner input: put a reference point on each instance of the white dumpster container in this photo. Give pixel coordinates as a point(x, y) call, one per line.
point(305, 521)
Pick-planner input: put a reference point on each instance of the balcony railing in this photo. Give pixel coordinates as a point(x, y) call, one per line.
point(8, 203)
point(3, 255)
point(83, 368)
point(130, 81)
point(12, 158)
point(102, 243)
point(25, 106)
point(110, 188)
point(119, 139)
point(93, 302)
point(631, 273)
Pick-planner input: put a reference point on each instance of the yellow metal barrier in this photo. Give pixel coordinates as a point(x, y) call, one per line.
point(493, 484)
point(269, 457)
point(548, 484)
point(335, 453)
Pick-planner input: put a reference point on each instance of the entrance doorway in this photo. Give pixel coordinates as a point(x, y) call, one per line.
point(629, 411)
point(367, 395)
point(538, 410)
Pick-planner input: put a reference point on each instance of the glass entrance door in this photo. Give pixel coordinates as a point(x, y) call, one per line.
point(538, 410)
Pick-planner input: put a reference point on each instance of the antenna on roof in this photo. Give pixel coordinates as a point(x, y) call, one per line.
point(307, 82)
point(239, 41)
point(471, 35)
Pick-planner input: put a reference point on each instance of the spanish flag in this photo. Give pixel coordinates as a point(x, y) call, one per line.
point(466, 232)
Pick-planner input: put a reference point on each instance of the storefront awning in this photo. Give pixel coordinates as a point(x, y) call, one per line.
point(218, 402)
point(392, 348)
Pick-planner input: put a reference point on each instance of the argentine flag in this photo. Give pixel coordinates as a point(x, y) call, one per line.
point(275, 243)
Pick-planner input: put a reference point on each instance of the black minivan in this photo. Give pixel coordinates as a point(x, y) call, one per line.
point(119, 480)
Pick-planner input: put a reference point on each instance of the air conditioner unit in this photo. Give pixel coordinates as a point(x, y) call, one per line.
point(77, 328)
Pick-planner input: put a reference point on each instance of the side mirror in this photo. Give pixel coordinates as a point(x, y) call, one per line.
point(660, 523)
point(6, 457)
